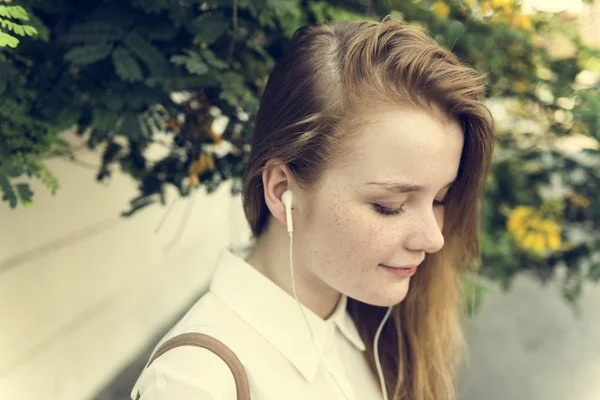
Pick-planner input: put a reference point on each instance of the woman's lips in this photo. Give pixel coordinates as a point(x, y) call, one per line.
point(403, 272)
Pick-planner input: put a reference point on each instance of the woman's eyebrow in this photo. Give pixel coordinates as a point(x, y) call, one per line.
point(402, 187)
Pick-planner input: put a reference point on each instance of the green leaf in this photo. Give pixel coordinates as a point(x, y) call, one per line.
point(9, 194)
point(15, 12)
point(114, 102)
point(25, 193)
point(104, 120)
point(147, 52)
point(131, 128)
point(12, 168)
point(30, 30)
point(211, 26)
point(212, 59)
point(192, 62)
point(95, 32)
point(6, 24)
point(158, 32)
point(34, 167)
point(66, 117)
point(43, 33)
point(318, 9)
point(18, 29)
point(339, 13)
point(253, 6)
point(126, 66)
point(137, 99)
point(8, 40)
point(84, 55)
point(11, 26)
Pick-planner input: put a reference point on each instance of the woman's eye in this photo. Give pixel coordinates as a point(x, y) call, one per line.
point(387, 211)
point(439, 203)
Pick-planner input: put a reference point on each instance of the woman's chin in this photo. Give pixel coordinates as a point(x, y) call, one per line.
point(389, 296)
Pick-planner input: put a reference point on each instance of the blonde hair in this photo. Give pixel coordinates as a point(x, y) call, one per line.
point(305, 117)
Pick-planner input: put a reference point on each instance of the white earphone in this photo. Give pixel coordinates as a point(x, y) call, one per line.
point(286, 198)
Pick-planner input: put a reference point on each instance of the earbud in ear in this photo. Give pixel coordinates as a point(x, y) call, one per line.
point(286, 198)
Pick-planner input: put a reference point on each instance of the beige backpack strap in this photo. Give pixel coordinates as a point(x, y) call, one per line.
point(215, 346)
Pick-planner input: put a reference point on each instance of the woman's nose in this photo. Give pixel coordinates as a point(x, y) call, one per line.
point(426, 235)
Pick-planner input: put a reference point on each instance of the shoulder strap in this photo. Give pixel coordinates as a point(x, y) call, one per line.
point(215, 346)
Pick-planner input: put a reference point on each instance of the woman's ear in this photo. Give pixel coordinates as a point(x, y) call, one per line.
point(276, 179)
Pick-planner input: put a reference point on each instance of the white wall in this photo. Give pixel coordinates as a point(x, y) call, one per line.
point(83, 291)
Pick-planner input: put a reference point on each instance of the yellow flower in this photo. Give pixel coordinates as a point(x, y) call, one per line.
point(532, 232)
point(441, 9)
point(527, 242)
point(549, 227)
point(518, 217)
point(519, 232)
point(524, 21)
point(554, 242)
point(501, 3)
point(538, 245)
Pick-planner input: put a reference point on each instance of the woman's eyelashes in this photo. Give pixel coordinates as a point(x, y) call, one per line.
point(388, 211)
point(383, 210)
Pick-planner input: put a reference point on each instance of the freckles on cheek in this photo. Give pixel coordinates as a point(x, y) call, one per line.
point(349, 226)
point(363, 238)
point(346, 232)
point(379, 241)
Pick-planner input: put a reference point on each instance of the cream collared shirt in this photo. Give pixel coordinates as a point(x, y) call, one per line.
point(263, 326)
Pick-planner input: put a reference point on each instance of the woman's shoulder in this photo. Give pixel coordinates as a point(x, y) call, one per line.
point(186, 372)
point(194, 372)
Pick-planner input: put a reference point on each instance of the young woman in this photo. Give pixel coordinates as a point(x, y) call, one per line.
point(383, 138)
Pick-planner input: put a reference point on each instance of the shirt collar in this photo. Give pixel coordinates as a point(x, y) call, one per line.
point(275, 315)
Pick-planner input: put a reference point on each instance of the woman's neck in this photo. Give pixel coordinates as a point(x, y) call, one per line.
point(271, 257)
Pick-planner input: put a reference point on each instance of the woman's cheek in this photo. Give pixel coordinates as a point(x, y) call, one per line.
point(387, 237)
point(347, 233)
point(370, 234)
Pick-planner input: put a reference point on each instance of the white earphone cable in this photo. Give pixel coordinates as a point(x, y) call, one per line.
point(287, 199)
point(306, 320)
point(376, 351)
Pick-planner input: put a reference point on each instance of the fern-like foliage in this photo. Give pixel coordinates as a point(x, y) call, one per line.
point(18, 166)
point(11, 26)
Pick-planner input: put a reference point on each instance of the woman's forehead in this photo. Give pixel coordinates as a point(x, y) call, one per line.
point(403, 142)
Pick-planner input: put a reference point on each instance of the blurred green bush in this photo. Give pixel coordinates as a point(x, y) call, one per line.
point(186, 76)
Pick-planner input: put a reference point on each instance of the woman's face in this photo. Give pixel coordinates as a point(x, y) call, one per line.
point(380, 204)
